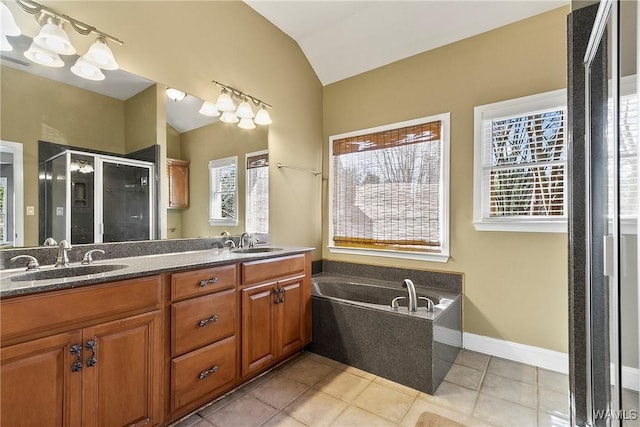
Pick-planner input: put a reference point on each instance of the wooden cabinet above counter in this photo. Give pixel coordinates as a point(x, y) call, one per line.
point(178, 172)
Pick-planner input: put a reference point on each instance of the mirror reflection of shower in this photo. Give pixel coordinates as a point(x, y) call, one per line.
point(94, 198)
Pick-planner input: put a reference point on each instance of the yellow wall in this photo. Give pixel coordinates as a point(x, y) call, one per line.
point(186, 45)
point(216, 141)
point(515, 284)
point(39, 117)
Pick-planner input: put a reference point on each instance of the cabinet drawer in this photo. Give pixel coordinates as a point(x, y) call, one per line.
point(202, 372)
point(203, 320)
point(204, 281)
point(265, 269)
point(41, 312)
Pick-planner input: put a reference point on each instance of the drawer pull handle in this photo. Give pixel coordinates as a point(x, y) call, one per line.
point(211, 281)
point(204, 374)
point(211, 319)
point(91, 345)
point(76, 350)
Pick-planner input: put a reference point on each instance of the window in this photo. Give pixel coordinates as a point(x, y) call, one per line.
point(389, 190)
point(628, 169)
point(223, 196)
point(520, 164)
point(257, 192)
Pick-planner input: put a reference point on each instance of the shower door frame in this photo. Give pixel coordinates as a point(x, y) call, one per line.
point(98, 216)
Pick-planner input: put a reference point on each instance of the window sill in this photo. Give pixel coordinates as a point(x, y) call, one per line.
point(216, 223)
point(420, 256)
point(522, 226)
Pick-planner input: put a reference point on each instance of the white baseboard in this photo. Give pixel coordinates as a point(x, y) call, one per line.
point(536, 356)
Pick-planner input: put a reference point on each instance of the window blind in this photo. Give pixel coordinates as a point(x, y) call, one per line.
point(257, 193)
point(628, 168)
point(387, 189)
point(524, 164)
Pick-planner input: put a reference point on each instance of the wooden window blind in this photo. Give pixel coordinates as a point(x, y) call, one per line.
point(387, 189)
point(524, 165)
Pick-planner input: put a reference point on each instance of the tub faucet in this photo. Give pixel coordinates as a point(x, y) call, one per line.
point(62, 260)
point(411, 289)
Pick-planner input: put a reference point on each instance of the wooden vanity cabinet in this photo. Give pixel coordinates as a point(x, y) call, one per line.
point(92, 358)
point(204, 344)
point(178, 172)
point(276, 298)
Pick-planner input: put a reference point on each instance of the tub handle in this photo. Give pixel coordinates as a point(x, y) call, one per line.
point(430, 303)
point(394, 303)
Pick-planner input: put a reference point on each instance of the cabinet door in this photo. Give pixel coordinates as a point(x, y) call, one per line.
point(290, 335)
point(258, 327)
point(178, 184)
point(40, 386)
point(122, 374)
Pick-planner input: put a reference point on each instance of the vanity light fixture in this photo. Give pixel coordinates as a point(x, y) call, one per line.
point(87, 70)
point(43, 56)
point(53, 37)
point(243, 114)
point(8, 27)
point(175, 94)
point(209, 109)
point(52, 40)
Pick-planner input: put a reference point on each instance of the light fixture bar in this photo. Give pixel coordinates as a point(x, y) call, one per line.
point(34, 8)
point(240, 94)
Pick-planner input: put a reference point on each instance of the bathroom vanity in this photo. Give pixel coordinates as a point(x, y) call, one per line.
point(151, 342)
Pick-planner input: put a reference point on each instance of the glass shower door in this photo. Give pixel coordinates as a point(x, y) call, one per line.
point(127, 202)
point(612, 177)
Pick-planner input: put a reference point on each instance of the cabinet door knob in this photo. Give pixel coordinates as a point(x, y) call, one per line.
point(211, 281)
point(91, 345)
point(211, 319)
point(204, 374)
point(76, 350)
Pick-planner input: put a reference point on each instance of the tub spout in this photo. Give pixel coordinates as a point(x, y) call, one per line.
point(411, 289)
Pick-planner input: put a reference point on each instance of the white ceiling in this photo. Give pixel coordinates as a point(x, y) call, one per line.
point(345, 38)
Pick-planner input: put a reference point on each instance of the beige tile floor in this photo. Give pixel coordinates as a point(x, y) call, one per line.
point(311, 390)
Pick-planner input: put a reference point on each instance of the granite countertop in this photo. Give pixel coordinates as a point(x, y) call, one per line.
point(137, 266)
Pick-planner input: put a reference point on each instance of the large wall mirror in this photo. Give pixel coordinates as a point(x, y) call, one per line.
point(120, 115)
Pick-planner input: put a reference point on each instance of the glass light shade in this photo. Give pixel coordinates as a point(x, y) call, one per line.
point(229, 117)
point(87, 70)
point(100, 54)
point(246, 123)
point(175, 94)
point(43, 56)
point(4, 43)
point(53, 37)
point(245, 111)
point(209, 109)
point(224, 102)
point(8, 25)
point(262, 118)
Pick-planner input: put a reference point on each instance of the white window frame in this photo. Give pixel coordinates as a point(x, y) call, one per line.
point(503, 109)
point(443, 255)
point(216, 164)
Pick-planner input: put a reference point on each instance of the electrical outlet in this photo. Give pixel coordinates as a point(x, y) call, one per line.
point(59, 211)
point(30, 211)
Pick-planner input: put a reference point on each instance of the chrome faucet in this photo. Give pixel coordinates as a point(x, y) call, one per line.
point(62, 260)
point(242, 238)
point(33, 262)
point(411, 289)
point(50, 241)
point(87, 259)
point(231, 243)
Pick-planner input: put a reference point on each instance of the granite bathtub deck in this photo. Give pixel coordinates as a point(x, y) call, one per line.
point(137, 266)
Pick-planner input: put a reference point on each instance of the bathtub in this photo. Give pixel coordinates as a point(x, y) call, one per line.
point(354, 323)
